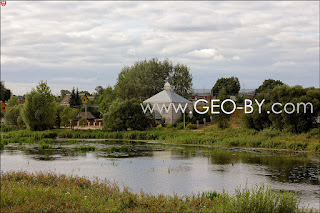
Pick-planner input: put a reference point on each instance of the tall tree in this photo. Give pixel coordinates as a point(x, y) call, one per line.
point(4, 92)
point(181, 79)
point(104, 97)
point(231, 85)
point(268, 85)
point(75, 100)
point(146, 78)
point(39, 109)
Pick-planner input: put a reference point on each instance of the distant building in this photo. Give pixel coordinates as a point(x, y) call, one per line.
point(84, 99)
point(166, 98)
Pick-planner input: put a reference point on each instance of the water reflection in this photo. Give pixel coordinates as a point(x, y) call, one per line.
point(168, 169)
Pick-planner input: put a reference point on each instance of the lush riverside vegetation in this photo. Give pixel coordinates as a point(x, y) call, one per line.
point(47, 192)
point(230, 137)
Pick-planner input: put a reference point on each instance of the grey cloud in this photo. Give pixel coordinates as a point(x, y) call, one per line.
point(85, 44)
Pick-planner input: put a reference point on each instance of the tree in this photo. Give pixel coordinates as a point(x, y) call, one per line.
point(268, 85)
point(4, 92)
point(231, 85)
point(39, 109)
point(104, 97)
point(223, 118)
point(83, 121)
point(146, 78)
point(13, 110)
point(294, 122)
point(12, 114)
point(63, 92)
point(75, 100)
point(67, 115)
point(13, 101)
point(124, 114)
point(181, 79)
point(59, 111)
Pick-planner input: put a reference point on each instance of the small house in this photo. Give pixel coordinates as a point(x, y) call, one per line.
point(166, 98)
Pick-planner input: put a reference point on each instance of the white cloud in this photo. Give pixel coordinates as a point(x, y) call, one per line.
point(87, 44)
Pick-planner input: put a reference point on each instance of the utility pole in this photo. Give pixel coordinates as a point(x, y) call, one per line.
point(184, 120)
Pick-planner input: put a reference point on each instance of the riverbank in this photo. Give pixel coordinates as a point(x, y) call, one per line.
point(207, 136)
point(48, 192)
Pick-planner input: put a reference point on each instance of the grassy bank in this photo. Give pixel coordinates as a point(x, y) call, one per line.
point(235, 136)
point(231, 137)
point(46, 192)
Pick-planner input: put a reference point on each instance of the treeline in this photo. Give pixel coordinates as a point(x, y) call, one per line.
point(120, 105)
point(296, 120)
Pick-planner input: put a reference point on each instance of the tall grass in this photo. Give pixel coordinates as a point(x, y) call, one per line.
point(48, 192)
point(230, 137)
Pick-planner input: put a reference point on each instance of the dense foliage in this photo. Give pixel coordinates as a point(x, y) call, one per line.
point(4, 92)
point(146, 78)
point(231, 85)
point(295, 122)
point(39, 109)
point(268, 85)
point(75, 100)
point(13, 112)
point(26, 192)
point(124, 114)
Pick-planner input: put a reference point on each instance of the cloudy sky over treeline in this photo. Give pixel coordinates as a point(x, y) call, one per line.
point(86, 44)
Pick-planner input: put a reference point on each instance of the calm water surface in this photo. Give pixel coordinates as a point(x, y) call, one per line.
point(167, 169)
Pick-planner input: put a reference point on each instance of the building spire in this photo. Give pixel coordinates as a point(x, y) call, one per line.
point(167, 86)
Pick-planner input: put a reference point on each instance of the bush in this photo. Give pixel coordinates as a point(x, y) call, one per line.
point(179, 125)
point(83, 122)
point(169, 126)
point(191, 126)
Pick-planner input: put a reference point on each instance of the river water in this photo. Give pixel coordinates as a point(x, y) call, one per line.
point(173, 169)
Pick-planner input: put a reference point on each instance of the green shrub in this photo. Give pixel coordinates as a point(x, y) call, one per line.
point(191, 126)
point(179, 125)
point(83, 122)
point(169, 126)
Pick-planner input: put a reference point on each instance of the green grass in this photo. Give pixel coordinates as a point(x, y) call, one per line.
point(48, 192)
point(85, 148)
point(112, 149)
point(230, 137)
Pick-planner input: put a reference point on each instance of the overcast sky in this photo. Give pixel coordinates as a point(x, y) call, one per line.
point(86, 44)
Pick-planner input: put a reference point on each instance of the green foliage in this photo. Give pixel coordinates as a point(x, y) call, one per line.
point(268, 85)
point(210, 195)
point(4, 92)
point(231, 85)
point(191, 126)
point(13, 101)
point(258, 199)
point(83, 122)
point(223, 118)
point(75, 100)
point(113, 149)
point(85, 148)
point(39, 109)
point(13, 115)
point(146, 78)
point(179, 125)
point(104, 97)
point(124, 114)
point(295, 122)
point(67, 115)
point(169, 126)
point(25, 192)
point(181, 79)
